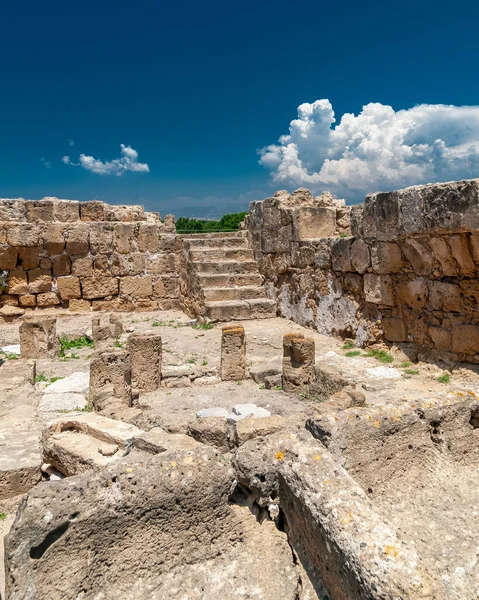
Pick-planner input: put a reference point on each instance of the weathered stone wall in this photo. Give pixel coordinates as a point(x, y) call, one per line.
point(86, 256)
point(408, 272)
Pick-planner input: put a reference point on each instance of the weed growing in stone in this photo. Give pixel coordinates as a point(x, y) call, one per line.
point(40, 377)
point(381, 355)
point(118, 344)
point(82, 342)
point(278, 388)
point(261, 387)
point(405, 364)
point(411, 371)
point(10, 356)
point(444, 378)
point(3, 516)
point(191, 360)
point(353, 353)
point(348, 344)
point(204, 363)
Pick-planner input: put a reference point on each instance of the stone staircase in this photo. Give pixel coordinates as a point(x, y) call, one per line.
point(225, 275)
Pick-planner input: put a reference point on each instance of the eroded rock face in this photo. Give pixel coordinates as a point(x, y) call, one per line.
point(159, 529)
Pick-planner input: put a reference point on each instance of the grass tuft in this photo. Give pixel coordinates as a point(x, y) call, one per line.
point(348, 344)
point(381, 355)
point(353, 353)
point(444, 378)
point(40, 377)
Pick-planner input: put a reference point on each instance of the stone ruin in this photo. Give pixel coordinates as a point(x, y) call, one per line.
point(320, 444)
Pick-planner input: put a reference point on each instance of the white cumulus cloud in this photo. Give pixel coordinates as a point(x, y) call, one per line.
point(127, 162)
point(377, 150)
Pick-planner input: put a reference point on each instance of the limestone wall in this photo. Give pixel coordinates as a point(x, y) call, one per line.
point(408, 273)
point(86, 255)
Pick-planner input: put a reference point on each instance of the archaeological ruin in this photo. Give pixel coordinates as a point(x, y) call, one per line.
point(287, 411)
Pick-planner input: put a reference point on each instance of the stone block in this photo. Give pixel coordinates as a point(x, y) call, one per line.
point(298, 363)
point(444, 296)
point(161, 264)
point(39, 281)
point(82, 266)
point(212, 431)
point(360, 257)
point(101, 264)
point(167, 287)
point(353, 283)
point(17, 282)
point(169, 242)
point(102, 334)
point(413, 293)
point(38, 338)
point(45, 263)
point(386, 258)
point(148, 235)
point(443, 255)
point(66, 211)
point(145, 358)
point(101, 238)
point(136, 287)
point(77, 238)
point(61, 265)
point(116, 304)
point(465, 339)
point(394, 329)
point(124, 235)
point(38, 211)
point(470, 293)
point(378, 289)
point(128, 264)
point(474, 241)
point(277, 240)
point(99, 287)
point(233, 353)
point(341, 255)
point(23, 234)
point(52, 236)
point(12, 209)
point(30, 257)
point(111, 368)
point(27, 300)
point(419, 255)
point(69, 287)
point(462, 254)
point(75, 305)
point(92, 211)
point(124, 214)
point(8, 258)
point(48, 299)
point(311, 222)
point(441, 338)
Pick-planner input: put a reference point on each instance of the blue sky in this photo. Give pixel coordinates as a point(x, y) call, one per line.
point(198, 88)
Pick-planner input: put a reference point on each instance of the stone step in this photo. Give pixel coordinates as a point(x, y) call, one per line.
point(214, 294)
point(213, 235)
point(227, 267)
point(236, 310)
point(221, 254)
point(224, 280)
point(233, 242)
